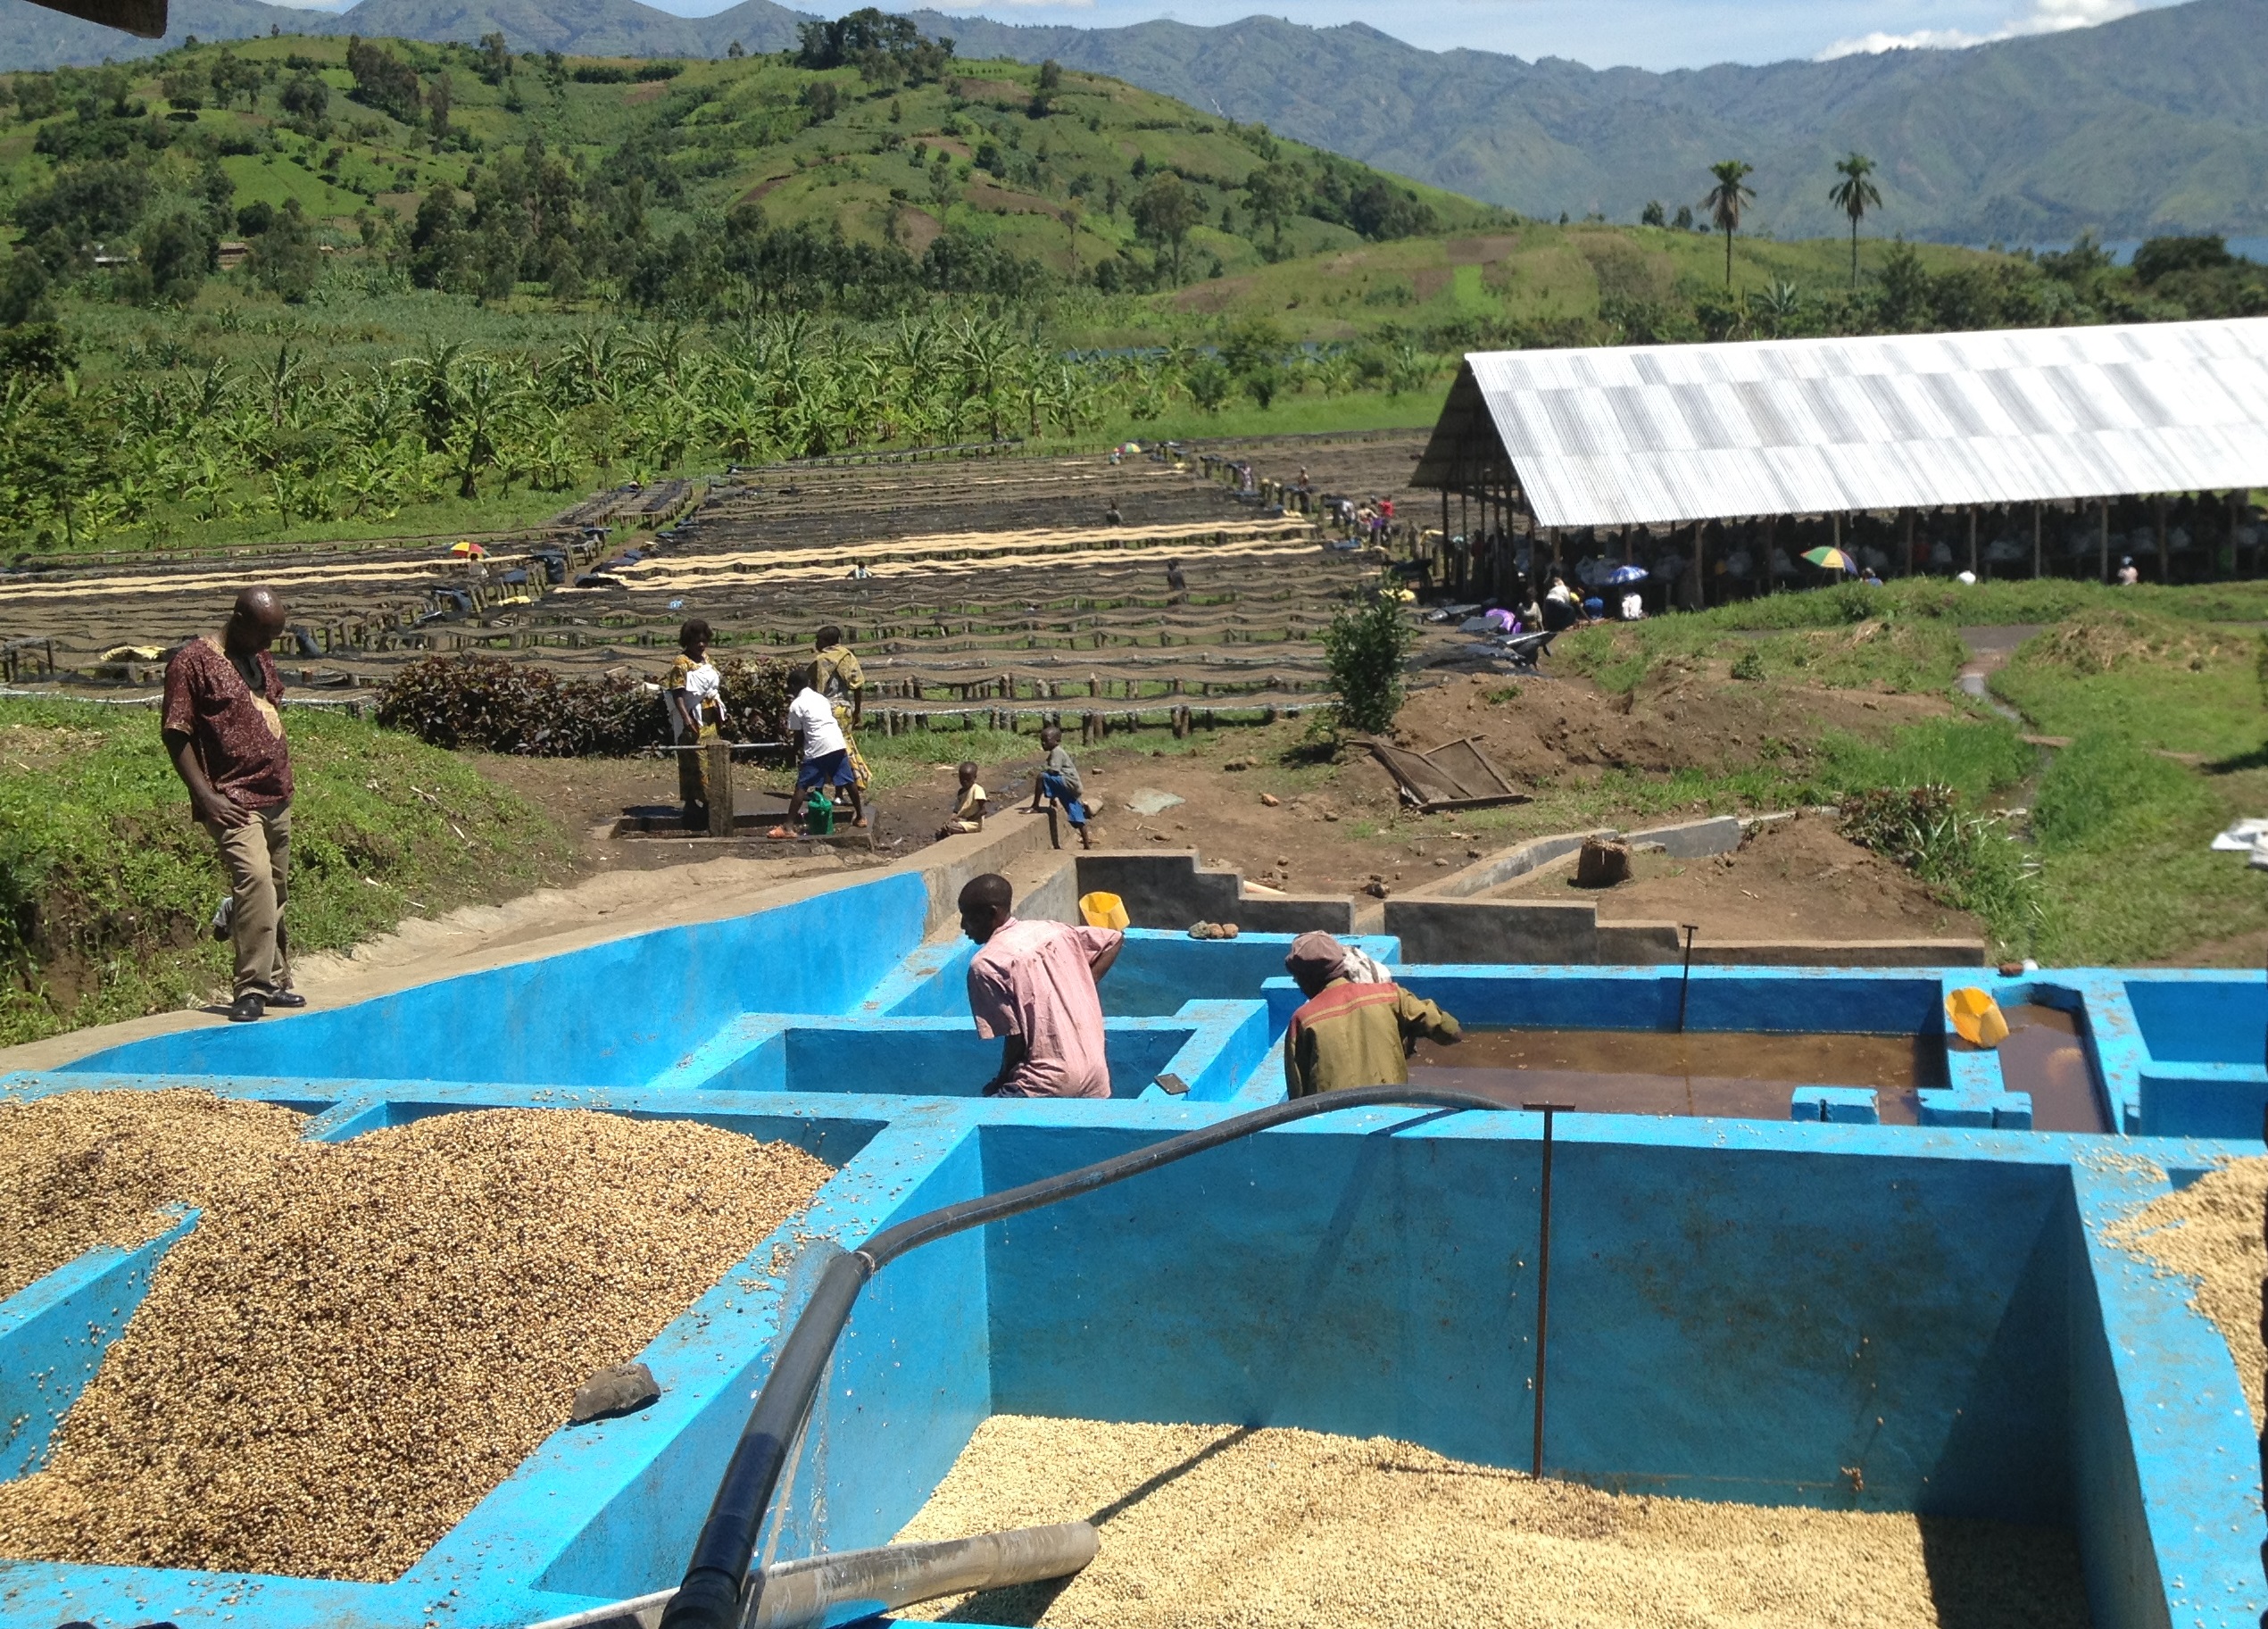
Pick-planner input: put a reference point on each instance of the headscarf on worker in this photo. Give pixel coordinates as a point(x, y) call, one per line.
point(1358, 1026)
point(1326, 958)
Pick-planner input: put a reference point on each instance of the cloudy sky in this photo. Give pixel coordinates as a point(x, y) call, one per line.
point(1657, 34)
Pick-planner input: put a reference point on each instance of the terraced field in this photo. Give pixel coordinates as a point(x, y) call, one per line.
point(986, 580)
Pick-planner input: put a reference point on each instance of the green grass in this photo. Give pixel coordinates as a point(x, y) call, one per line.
point(1892, 652)
point(2005, 604)
point(106, 884)
point(2127, 874)
point(1308, 413)
point(2159, 682)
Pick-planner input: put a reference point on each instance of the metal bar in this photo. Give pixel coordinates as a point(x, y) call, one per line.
point(718, 1591)
point(1543, 1274)
point(1685, 980)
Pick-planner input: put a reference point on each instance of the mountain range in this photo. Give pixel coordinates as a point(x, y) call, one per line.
point(2149, 124)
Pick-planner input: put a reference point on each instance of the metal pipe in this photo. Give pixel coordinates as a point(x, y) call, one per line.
point(718, 1590)
point(1685, 979)
point(822, 1590)
point(1543, 1274)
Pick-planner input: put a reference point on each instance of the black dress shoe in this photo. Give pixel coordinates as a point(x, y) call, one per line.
point(287, 998)
point(246, 1009)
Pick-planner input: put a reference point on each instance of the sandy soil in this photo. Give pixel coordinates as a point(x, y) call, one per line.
point(584, 795)
point(1793, 877)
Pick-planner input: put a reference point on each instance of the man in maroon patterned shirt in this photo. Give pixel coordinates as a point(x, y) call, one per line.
point(227, 741)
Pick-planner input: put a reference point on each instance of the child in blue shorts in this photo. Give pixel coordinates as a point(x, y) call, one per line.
point(1058, 782)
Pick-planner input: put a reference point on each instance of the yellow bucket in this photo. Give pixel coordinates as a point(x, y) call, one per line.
point(1104, 910)
point(1976, 1018)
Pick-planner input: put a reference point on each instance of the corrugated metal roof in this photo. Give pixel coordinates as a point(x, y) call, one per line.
point(1631, 433)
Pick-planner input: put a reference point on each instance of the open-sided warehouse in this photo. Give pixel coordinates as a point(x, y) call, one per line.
point(2025, 451)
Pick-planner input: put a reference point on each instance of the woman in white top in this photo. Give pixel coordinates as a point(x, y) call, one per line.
point(825, 755)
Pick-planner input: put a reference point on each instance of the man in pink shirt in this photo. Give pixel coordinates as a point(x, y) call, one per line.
point(1032, 987)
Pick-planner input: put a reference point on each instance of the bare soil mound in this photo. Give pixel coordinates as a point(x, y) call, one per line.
point(1552, 730)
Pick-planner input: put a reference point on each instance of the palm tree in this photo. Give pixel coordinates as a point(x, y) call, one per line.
point(1725, 200)
point(1855, 195)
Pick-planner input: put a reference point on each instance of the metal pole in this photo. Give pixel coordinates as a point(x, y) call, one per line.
point(1543, 1274)
point(2104, 574)
point(1972, 540)
point(1685, 981)
point(2037, 510)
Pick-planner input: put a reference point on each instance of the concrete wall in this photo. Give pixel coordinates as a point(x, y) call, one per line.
point(1211, 1046)
point(53, 1333)
point(1820, 1313)
point(614, 1014)
point(1171, 890)
point(1686, 840)
point(1327, 1295)
point(1570, 933)
point(1443, 921)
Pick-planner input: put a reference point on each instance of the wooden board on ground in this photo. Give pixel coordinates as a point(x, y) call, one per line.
point(1455, 775)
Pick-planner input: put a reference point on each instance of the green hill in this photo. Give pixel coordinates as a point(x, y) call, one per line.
point(313, 286)
point(2148, 124)
point(2151, 123)
point(974, 156)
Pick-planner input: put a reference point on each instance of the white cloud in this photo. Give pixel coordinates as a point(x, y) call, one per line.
point(2046, 17)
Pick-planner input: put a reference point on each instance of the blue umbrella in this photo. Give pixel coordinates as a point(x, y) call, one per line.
point(1623, 575)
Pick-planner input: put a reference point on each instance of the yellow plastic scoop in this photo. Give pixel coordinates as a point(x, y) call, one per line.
point(1976, 1018)
point(1108, 910)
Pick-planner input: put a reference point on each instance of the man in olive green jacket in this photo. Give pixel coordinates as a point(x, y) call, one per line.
point(1358, 1026)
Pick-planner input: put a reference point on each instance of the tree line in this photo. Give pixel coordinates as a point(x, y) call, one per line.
point(201, 440)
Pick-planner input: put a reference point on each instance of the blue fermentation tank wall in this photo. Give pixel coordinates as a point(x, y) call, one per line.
point(1799, 1311)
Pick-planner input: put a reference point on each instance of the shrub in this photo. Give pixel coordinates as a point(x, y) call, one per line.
point(1365, 646)
point(1969, 862)
point(493, 705)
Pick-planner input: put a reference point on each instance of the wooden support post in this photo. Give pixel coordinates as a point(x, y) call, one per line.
point(2104, 574)
point(1972, 540)
point(718, 757)
point(2039, 521)
point(2165, 562)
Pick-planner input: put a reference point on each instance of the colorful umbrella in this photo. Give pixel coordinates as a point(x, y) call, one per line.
point(1622, 576)
point(468, 550)
point(1832, 559)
